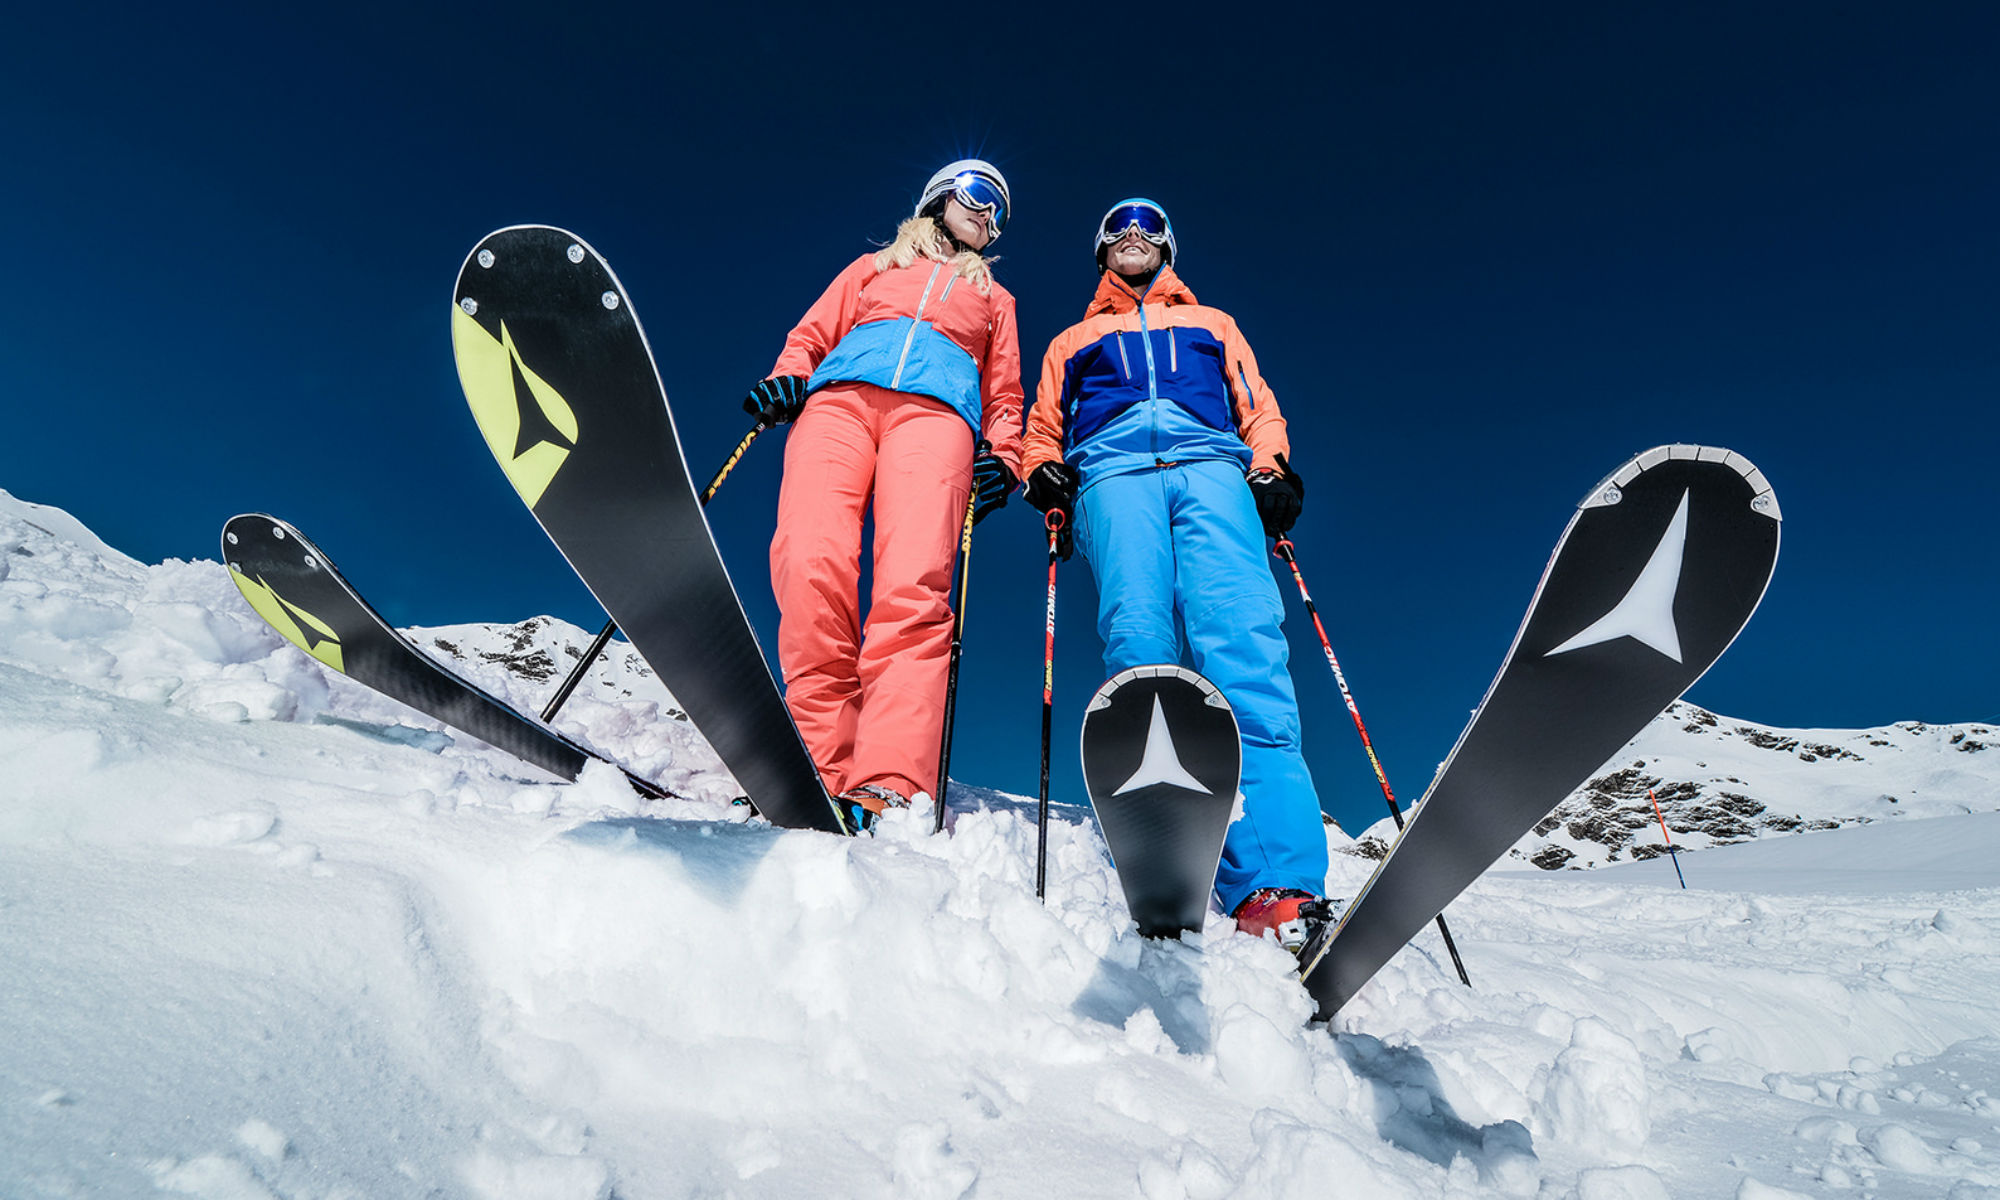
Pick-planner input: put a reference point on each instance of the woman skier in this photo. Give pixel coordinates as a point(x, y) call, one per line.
point(903, 384)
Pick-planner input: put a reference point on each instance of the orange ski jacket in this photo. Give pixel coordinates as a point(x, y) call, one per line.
point(1149, 378)
point(920, 329)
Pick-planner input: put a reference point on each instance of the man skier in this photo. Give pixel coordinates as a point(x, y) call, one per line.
point(1155, 435)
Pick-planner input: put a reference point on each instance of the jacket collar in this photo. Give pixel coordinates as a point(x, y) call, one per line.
point(1115, 296)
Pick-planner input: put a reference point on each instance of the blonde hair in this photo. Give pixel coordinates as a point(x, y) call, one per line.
point(921, 237)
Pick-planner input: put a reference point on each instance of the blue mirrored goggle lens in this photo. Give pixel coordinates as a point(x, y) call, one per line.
point(1151, 221)
point(979, 192)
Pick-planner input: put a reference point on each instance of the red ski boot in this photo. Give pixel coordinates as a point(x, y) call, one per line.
point(1290, 915)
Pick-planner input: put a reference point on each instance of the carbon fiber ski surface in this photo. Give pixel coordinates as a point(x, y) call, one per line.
point(1657, 572)
point(296, 589)
point(562, 382)
point(1161, 760)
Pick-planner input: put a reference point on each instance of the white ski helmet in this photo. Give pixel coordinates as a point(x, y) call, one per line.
point(1147, 215)
point(978, 184)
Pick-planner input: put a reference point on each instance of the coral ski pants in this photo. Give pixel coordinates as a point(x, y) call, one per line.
point(1182, 546)
point(869, 700)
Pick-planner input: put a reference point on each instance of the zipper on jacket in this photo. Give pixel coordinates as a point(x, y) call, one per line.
point(1152, 377)
point(1173, 353)
point(1119, 337)
point(895, 381)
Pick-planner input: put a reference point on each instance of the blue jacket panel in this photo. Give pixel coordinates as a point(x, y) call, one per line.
point(1137, 398)
point(905, 354)
point(1180, 366)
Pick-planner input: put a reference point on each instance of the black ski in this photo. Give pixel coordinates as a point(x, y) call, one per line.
point(562, 382)
point(1655, 575)
point(1161, 760)
point(296, 589)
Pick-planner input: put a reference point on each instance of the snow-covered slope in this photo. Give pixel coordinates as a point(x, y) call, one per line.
point(1720, 781)
point(266, 934)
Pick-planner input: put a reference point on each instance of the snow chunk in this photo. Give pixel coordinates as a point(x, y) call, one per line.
point(755, 1153)
point(1298, 1162)
point(1713, 1044)
point(1192, 1173)
point(265, 1140)
point(1896, 1147)
point(1257, 1058)
point(600, 790)
point(1595, 1097)
point(230, 828)
point(926, 1167)
point(210, 1177)
point(536, 1177)
point(1750, 1189)
point(1621, 1183)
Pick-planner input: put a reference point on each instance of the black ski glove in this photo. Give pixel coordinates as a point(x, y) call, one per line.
point(1052, 488)
point(777, 400)
point(1052, 485)
point(992, 482)
point(1279, 497)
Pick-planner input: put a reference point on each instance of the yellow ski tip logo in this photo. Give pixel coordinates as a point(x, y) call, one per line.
point(291, 621)
point(528, 425)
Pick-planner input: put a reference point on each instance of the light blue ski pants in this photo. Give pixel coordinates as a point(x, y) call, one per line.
point(1181, 547)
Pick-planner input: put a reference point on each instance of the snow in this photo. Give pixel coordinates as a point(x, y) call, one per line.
point(267, 934)
point(1719, 782)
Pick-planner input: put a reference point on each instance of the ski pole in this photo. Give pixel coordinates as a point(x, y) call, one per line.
point(1671, 852)
point(610, 627)
point(729, 464)
point(1284, 550)
point(957, 642)
point(1054, 521)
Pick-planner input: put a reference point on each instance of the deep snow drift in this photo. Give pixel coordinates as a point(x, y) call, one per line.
point(267, 934)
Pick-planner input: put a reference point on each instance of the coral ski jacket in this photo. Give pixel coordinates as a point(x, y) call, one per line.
point(921, 329)
point(1147, 379)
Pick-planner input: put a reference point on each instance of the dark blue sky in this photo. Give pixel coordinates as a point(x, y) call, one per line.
point(1484, 255)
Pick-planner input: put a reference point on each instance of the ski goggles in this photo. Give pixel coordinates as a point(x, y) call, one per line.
point(1148, 220)
point(981, 194)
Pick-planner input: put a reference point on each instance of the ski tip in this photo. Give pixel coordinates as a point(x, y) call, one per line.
point(243, 527)
point(1611, 489)
point(485, 253)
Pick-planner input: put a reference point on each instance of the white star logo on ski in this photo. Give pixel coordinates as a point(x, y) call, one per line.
point(1161, 763)
point(1646, 614)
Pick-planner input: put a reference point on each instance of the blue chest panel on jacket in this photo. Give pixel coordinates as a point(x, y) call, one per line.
point(1185, 368)
point(905, 354)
